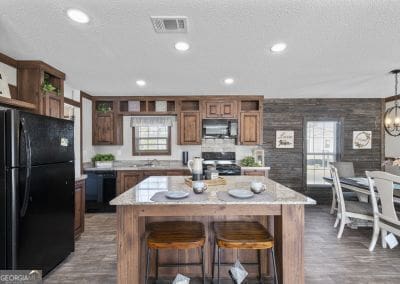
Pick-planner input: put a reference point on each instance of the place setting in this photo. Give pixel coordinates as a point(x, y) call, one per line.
point(255, 192)
point(197, 194)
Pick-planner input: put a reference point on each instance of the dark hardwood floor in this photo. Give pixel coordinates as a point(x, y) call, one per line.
point(327, 259)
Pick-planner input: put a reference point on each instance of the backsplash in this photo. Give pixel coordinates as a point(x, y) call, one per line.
point(124, 152)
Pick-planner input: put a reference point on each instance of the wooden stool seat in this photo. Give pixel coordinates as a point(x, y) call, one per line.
point(181, 235)
point(242, 235)
point(176, 235)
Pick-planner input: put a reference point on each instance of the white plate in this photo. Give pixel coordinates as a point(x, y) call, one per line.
point(240, 193)
point(176, 194)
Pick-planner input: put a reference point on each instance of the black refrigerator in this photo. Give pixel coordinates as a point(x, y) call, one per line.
point(36, 190)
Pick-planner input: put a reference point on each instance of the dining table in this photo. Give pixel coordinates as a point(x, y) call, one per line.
point(360, 186)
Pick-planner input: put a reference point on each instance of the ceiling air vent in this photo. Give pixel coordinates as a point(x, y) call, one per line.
point(169, 24)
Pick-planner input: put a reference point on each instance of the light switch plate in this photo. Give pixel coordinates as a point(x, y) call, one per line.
point(391, 240)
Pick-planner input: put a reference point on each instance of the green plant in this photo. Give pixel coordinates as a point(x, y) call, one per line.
point(103, 108)
point(249, 161)
point(103, 157)
point(48, 87)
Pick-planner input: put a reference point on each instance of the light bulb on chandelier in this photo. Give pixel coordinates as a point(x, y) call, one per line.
point(392, 114)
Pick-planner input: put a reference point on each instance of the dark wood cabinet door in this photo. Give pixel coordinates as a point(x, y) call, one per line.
point(213, 109)
point(127, 180)
point(254, 173)
point(103, 129)
point(52, 105)
point(250, 128)
point(189, 131)
point(79, 218)
point(228, 109)
point(54, 108)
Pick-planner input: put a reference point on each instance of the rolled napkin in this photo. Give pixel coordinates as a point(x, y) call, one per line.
point(181, 279)
point(238, 273)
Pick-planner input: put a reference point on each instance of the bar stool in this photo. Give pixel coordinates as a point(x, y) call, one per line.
point(243, 235)
point(181, 235)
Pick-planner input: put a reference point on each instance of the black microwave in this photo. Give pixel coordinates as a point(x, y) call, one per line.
point(220, 128)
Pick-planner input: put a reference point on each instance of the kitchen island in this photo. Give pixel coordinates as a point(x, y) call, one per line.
point(282, 213)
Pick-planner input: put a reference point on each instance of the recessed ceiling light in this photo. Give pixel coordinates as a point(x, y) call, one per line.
point(78, 16)
point(278, 47)
point(229, 81)
point(182, 46)
point(141, 83)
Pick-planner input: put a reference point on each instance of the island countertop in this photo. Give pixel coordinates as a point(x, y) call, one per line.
point(141, 194)
point(282, 213)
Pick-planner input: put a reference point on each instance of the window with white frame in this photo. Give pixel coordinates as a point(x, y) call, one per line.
point(322, 148)
point(151, 140)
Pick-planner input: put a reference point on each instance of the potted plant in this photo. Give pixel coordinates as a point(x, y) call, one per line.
point(48, 87)
point(103, 108)
point(249, 161)
point(103, 160)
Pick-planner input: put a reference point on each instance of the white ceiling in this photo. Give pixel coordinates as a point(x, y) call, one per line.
point(336, 48)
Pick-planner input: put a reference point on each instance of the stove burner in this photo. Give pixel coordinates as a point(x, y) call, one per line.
point(223, 162)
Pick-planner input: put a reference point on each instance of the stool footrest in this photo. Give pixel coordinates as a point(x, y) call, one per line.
point(245, 263)
point(180, 264)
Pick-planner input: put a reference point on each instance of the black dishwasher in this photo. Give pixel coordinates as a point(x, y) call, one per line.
point(100, 189)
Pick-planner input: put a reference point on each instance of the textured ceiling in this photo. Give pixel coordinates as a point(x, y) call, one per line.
point(336, 48)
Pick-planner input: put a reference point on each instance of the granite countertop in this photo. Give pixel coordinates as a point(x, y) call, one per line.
point(140, 165)
point(142, 193)
point(81, 177)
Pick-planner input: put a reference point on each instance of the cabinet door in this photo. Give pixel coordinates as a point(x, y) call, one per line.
point(189, 131)
point(127, 180)
point(79, 218)
point(250, 128)
point(53, 105)
point(228, 109)
point(213, 109)
point(103, 129)
point(255, 173)
point(78, 207)
point(55, 108)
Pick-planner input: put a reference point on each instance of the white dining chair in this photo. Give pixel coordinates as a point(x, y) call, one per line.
point(345, 170)
point(385, 217)
point(348, 209)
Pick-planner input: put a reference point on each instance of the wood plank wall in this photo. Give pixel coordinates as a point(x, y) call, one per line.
point(287, 165)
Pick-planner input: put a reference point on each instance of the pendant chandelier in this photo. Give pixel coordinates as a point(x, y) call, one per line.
point(392, 114)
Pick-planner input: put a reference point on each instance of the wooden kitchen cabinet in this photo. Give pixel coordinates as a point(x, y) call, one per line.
point(52, 105)
point(189, 128)
point(31, 77)
point(79, 218)
point(254, 172)
point(147, 174)
point(127, 180)
point(250, 128)
point(107, 125)
point(220, 109)
point(103, 130)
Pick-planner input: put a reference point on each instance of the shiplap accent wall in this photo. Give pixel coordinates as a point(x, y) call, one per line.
point(287, 165)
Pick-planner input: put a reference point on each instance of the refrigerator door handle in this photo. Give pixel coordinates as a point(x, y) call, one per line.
point(28, 153)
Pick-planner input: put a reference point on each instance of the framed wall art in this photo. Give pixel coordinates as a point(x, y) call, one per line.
point(362, 139)
point(284, 139)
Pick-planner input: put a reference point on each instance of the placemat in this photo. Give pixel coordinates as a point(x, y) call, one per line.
point(261, 197)
point(192, 197)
